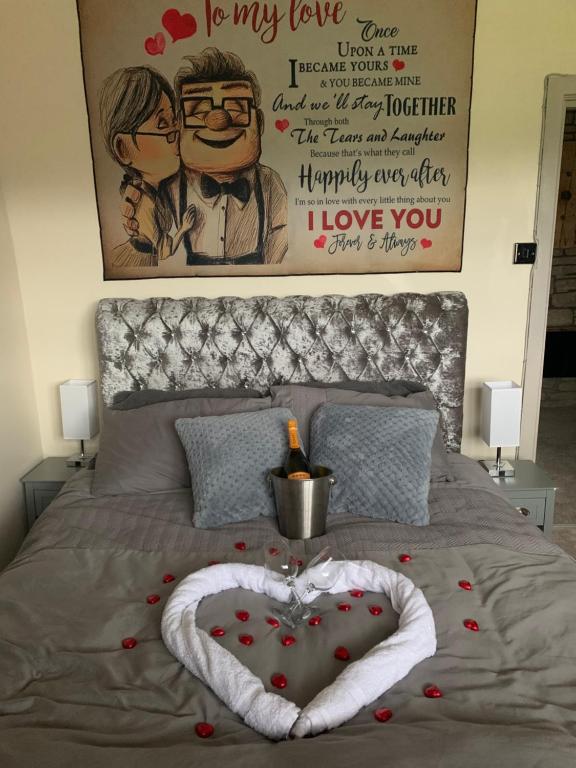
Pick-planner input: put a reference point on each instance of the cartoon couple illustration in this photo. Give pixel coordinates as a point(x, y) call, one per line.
point(191, 165)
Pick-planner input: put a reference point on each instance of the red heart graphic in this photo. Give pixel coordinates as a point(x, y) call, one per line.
point(281, 125)
point(320, 242)
point(155, 45)
point(398, 64)
point(179, 26)
point(425, 243)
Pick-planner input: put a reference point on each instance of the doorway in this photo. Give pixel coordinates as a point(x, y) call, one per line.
point(549, 411)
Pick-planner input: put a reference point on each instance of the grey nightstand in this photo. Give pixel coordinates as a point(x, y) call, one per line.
point(532, 490)
point(42, 484)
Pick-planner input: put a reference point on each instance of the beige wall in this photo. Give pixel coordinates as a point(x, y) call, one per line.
point(46, 167)
point(20, 445)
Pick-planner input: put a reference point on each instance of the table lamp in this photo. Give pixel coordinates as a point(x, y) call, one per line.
point(501, 415)
point(79, 416)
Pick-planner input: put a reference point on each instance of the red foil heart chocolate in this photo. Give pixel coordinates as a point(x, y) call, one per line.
point(383, 714)
point(167, 578)
point(245, 639)
point(129, 642)
point(341, 653)
point(356, 593)
point(344, 607)
point(240, 545)
point(375, 610)
point(242, 615)
point(273, 622)
point(204, 730)
point(153, 599)
point(279, 680)
point(273, 551)
point(405, 558)
point(472, 625)
point(313, 621)
point(433, 692)
point(217, 632)
point(464, 584)
point(288, 640)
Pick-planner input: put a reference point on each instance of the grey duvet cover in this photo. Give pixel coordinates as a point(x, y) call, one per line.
point(71, 695)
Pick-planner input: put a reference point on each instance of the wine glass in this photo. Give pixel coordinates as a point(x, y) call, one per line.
point(279, 560)
point(322, 572)
point(283, 565)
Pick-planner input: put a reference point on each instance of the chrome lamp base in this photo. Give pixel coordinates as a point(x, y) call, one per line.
point(80, 459)
point(495, 469)
point(499, 468)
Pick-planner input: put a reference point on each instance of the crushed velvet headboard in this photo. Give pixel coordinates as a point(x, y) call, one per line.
point(227, 342)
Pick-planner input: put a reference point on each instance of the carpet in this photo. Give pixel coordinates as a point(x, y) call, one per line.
point(556, 454)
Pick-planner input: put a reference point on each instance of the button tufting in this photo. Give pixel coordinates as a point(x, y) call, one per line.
point(398, 329)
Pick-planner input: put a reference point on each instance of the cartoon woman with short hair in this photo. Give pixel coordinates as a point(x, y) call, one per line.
point(137, 113)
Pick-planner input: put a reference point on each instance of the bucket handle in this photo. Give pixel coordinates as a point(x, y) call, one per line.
point(331, 482)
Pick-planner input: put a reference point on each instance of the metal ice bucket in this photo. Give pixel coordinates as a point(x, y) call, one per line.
point(302, 505)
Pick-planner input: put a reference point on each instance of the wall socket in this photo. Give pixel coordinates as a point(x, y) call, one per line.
point(524, 253)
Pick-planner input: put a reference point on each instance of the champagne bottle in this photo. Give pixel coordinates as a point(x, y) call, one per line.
point(296, 466)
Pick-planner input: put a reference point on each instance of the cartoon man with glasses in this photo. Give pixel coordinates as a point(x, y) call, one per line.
point(241, 205)
point(140, 131)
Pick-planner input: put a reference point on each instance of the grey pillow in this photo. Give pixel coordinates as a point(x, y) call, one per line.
point(126, 401)
point(304, 400)
point(140, 451)
point(381, 459)
point(393, 387)
point(229, 459)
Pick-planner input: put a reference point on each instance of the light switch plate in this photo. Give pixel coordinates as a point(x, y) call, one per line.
point(524, 253)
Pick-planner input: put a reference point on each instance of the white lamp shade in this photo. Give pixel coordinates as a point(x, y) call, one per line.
point(501, 413)
point(79, 409)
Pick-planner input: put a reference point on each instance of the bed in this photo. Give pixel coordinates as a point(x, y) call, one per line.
point(85, 677)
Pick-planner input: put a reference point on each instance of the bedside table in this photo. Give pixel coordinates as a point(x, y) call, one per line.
point(533, 490)
point(42, 484)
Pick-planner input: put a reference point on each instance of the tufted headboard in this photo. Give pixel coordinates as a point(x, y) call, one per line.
point(196, 342)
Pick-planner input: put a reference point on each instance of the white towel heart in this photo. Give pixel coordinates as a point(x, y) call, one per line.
point(358, 685)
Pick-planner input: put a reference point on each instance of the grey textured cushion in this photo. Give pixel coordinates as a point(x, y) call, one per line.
point(229, 459)
point(380, 457)
point(140, 451)
point(304, 400)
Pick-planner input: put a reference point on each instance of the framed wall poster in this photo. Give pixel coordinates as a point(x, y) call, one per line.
point(295, 137)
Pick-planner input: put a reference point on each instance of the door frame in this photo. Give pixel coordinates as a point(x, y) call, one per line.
point(559, 95)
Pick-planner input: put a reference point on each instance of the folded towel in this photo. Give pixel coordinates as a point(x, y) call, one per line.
point(386, 663)
point(359, 684)
point(238, 688)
